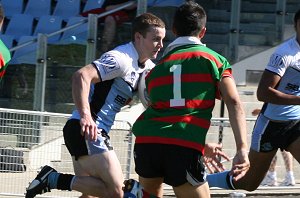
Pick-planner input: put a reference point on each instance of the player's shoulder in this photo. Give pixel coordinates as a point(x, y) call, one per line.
point(287, 47)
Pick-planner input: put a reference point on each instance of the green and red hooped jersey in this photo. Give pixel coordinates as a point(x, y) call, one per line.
point(4, 58)
point(182, 90)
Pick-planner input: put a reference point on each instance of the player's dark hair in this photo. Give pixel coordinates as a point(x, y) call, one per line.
point(297, 16)
point(144, 22)
point(189, 19)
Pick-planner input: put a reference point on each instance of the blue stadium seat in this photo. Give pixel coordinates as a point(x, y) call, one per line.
point(12, 7)
point(25, 54)
point(8, 40)
point(49, 24)
point(67, 8)
point(77, 35)
point(38, 8)
point(92, 4)
point(20, 25)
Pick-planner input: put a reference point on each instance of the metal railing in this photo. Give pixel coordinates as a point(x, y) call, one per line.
point(31, 139)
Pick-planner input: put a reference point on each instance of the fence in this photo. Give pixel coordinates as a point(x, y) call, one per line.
point(31, 139)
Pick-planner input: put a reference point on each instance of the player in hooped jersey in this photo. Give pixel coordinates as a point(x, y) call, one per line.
point(182, 87)
point(100, 90)
point(4, 52)
point(278, 124)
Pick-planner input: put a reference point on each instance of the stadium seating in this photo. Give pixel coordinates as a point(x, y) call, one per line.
point(8, 40)
point(26, 54)
point(38, 8)
point(77, 35)
point(49, 24)
point(92, 4)
point(12, 7)
point(67, 8)
point(20, 25)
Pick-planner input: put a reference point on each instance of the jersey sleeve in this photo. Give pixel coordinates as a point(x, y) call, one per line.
point(224, 71)
point(110, 65)
point(277, 63)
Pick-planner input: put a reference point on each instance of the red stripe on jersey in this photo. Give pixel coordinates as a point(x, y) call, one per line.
point(173, 141)
point(194, 104)
point(195, 54)
point(186, 119)
point(2, 73)
point(184, 78)
point(2, 61)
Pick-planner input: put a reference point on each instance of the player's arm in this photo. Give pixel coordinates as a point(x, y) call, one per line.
point(81, 82)
point(266, 91)
point(238, 124)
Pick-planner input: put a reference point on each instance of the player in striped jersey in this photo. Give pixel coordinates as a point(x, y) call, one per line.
point(4, 52)
point(100, 89)
point(170, 134)
point(278, 124)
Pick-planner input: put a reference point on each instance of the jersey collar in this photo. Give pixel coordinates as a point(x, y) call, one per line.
point(184, 40)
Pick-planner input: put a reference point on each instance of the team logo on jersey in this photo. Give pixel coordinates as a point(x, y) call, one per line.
point(276, 61)
point(292, 87)
point(133, 77)
point(109, 63)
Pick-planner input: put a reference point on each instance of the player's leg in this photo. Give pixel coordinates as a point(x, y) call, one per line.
point(294, 149)
point(187, 190)
point(105, 176)
point(185, 172)
point(148, 160)
point(260, 157)
point(109, 33)
point(79, 171)
point(259, 165)
point(271, 176)
point(289, 179)
point(153, 186)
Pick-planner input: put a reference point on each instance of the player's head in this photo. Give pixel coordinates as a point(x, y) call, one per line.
point(189, 20)
point(297, 18)
point(144, 22)
point(1, 15)
point(148, 32)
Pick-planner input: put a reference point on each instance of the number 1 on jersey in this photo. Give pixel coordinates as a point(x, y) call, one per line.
point(177, 101)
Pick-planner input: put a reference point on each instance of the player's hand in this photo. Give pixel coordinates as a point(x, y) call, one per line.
point(240, 164)
point(88, 128)
point(212, 156)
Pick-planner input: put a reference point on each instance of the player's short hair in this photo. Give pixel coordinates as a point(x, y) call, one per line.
point(297, 16)
point(144, 22)
point(1, 13)
point(189, 19)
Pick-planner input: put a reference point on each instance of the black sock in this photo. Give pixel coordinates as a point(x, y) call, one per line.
point(64, 181)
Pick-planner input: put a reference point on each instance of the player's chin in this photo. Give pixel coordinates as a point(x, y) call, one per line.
point(154, 54)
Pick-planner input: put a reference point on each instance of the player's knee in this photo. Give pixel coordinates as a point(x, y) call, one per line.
point(250, 187)
point(116, 192)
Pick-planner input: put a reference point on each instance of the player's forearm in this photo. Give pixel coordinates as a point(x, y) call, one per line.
point(271, 95)
point(238, 125)
point(80, 91)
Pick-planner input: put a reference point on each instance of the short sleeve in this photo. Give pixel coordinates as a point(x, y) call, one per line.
point(277, 64)
point(110, 65)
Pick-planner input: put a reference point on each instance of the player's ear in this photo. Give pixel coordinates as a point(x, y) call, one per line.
point(202, 32)
point(174, 31)
point(137, 36)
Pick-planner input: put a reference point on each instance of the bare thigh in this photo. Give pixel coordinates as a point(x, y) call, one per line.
point(259, 165)
point(105, 166)
point(188, 191)
point(79, 171)
point(99, 175)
